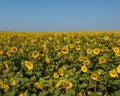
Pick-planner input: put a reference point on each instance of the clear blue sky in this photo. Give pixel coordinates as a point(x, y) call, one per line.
point(59, 15)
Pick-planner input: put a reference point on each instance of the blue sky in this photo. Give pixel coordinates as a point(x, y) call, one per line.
point(59, 15)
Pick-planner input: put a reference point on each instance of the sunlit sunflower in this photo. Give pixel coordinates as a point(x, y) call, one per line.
point(70, 58)
point(118, 69)
point(6, 64)
point(1, 52)
point(118, 54)
point(115, 49)
point(29, 65)
point(71, 46)
point(96, 51)
point(65, 50)
point(84, 68)
point(38, 85)
point(80, 58)
point(80, 94)
point(77, 40)
point(68, 85)
point(113, 73)
point(21, 94)
point(99, 71)
point(56, 75)
point(56, 48)
point(106, 37)
point(102, 60)
point(61, 72)
point(94, 76)
point(13, 82)
point(35, 54)
point(89, 51)
point(86, 62)
point(59, 54)
point(78, 47)
point(13, 49)
point(50, 84)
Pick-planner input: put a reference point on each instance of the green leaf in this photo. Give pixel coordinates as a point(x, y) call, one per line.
point(43, 93)
point(117, 93)
point(51, 90)
point(33, 78)
point(83, 85)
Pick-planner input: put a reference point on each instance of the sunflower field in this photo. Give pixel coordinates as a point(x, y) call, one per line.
point(59, 64)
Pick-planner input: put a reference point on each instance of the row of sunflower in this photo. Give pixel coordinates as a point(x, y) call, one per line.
point(59, 64)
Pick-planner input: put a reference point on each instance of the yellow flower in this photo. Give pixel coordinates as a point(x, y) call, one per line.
point(71, 46)
point(86, 62)
point(70, 58)
point(50, 84)
point(56, 75)
point(78, 48)
point(13, 49)
point(106, 37)
point(61, 72)
point(96, 51)
point(118, 54)
point(89, 51)
point(115, 49)
point(118, 69)
point(64, 67)
point(58, 84)
point(102, 60)
point(1, 52)
point(57, 48)
point(6, 64)
point(84, 68)
point(80, 58)
point(13, 82)
point(21, 94)
point(38, 85)
point(47, 60)
point(29, 65)
point(59, 54)
point(68, 85)
point(80, 94)
point(100, 71)
point(65, 50)
point(94, 76)
point(35, 54)
point(8, 53)
point(113, 73)
point(78, 40)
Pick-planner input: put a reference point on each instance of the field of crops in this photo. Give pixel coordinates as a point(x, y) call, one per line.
point(59, 64)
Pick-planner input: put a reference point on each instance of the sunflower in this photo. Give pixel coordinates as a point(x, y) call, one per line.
point(29, 65)
point(115, 49)
point(94, 76)
point(13, 49)
point(106, 37)
point(57, 48)
point(96, 51)
point(68, 85)
point(59, 54)
point(113, 73)
point(102, 60)
point(118, 54)
point(77, 40)
point(78, 47)
point(99, 71)
point(35, 54)
point(21, 94)
point(89, 51)
point(13, 82)
point(8, 53)
point(71, 46)
point(1, 52)
point(6, 64)
point(47, 60)
point(118, 69)
point(38, 85)
point(80, 94)
point(80, 58)
point(70, 58)
point(84, 68)
point(50, 84)
point(64, 67)
point(65, 50)
point(56, 75)
point(86, 62)
point(58, 84)
point(61, 72)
